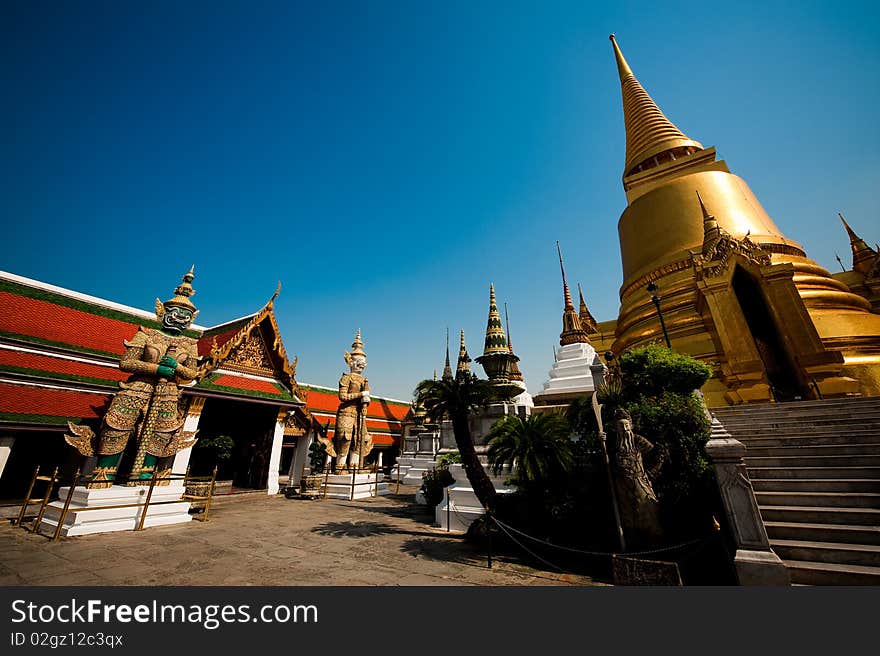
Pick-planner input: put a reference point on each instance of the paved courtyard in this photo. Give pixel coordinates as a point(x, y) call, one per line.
point(260, 540)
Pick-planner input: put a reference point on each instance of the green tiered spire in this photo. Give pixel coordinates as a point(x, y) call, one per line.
point(496, 342)
point(497, 360)
point(464, 360)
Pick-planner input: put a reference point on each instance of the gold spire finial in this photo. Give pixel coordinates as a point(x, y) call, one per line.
point(710, 225)
point(515, 373)
point(623, 68)
point(588, 322)
point(572, 330)
point(863, 255)
point(447, 369)
point(648, 132)
point(357, 346)
point(566, 293)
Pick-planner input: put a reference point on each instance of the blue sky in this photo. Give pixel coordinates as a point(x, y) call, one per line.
point(387, 160)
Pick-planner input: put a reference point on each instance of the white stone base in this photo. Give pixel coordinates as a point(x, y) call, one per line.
point(417, 466)
point(165, 508)
point(339, 486)
point(465, 508)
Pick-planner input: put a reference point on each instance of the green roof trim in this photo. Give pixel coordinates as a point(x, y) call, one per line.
point(83, 306)
point(103, 382)
point(14, 417)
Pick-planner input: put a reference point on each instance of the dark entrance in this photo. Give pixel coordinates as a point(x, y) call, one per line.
point(31, 448)
point(780, 370)
point(251, 427)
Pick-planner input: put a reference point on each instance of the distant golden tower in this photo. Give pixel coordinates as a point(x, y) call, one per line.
point(734, 291)
point(464, 360)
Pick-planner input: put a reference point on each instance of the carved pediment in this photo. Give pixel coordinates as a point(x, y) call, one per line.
point(251, 355)
point(718, 251)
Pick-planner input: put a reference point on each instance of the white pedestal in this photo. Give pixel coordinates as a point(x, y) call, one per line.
point(415, 467)
point(165, 508)
point(465, 508)
point(339, 486)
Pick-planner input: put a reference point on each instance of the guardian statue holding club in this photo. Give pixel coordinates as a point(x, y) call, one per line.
point(352, 441)
point(147, 407)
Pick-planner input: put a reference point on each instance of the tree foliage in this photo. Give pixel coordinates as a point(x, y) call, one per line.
point(456, 399)
point(534, 449)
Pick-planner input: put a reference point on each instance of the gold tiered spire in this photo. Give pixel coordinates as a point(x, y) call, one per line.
point(496, 342)
point(648, 131)
point(863, 255)
point(711, 231)
point(588, 322)
point(572, 331)
point(447, 369)
point(464, 360)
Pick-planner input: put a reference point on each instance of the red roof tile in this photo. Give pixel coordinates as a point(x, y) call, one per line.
point(28, 400)
point(239, 382)
point(58, 365)
point(36, 318)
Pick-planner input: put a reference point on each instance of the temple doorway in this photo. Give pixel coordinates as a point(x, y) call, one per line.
point(30, 449)
point(251, 427)
point(778, 366)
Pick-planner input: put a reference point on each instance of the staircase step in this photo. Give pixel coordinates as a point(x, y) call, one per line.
point(752, 431)
point(821, 515)
point(824, 450)
point(815, 472)
point(813, 461)
point(841, 403)
point(847, 485)
point(810, 573)
point(812, 532)
point(818, 499)
point(841, 440)
point(827, 552)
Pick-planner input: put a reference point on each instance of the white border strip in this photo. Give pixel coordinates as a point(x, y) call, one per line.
point(52, 354)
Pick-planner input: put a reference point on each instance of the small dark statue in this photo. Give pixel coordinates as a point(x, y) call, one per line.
point(639, 508)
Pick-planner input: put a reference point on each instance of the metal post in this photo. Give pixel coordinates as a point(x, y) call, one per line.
point(448, 510)
point(353, 474)
point(140, 525)
point(397, 491)
point(376, 469)
point(326, 478)
point(39, 519)
point(489, 537)
point(651, 289)
point(66, 505)
point(27, 498)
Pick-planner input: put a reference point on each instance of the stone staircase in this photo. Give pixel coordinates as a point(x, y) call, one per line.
point(815, 468)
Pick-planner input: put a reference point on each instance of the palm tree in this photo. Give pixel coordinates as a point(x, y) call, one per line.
point(456, 398)
point(535, 449)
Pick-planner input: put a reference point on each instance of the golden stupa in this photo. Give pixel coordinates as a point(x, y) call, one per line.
point(734, 291)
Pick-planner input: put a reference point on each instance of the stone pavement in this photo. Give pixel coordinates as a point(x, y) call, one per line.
point(260, 540)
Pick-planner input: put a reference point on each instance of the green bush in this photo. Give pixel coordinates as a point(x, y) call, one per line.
point(317, 456)
point(448, 459)
point(433, 483)
point(652, 370)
